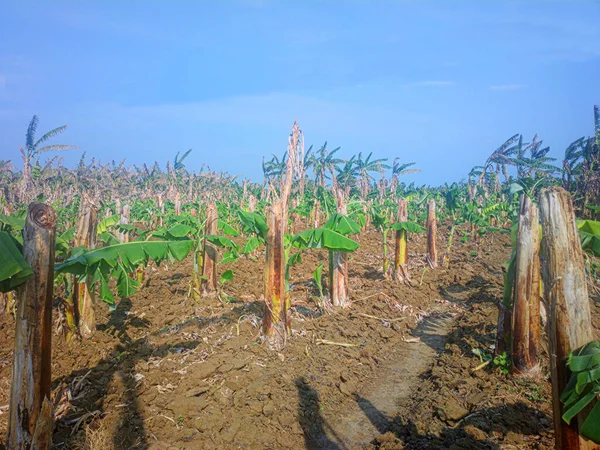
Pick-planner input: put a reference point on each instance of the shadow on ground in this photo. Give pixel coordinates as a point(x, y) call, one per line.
point(397, 430)
point(119, 369)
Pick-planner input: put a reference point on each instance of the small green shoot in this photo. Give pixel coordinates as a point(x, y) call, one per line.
point(503, 363)
point(483, 357)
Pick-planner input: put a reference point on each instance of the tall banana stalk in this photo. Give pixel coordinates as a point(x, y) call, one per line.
point(569, 323)
point(277, 320)
point(30, 411)
point(338, 263)
point(401, 255)
point(526, 303)
point(83, 293)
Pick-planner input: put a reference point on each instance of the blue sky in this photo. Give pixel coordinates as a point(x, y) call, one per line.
point(440, 83)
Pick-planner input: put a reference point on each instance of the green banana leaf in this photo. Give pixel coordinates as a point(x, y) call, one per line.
point(342, 224)
point(318, 276)
point(254, 223)
point(589, 230)
point(251, 244)
point(588, 356)
point(324, 238)
point(296, 258)
point(221, 241)
point(108, 222)
point(583, 387)
point(117, 261)
point(227, 276)
point(177, 232)
point(511, 267)
point(492, 208)
point(227, 229)
point(581, 402)
point(591, 426)
point(130, 254)
point(108, 238)
point(16, 223)
point(229, 257)
point(63, 241)
point(129, 229)
point(14, 270)
point(410, 227)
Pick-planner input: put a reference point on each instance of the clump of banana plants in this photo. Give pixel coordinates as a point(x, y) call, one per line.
point(452, 197)
point(381, 221)
point(333, 237)
point(92, 267)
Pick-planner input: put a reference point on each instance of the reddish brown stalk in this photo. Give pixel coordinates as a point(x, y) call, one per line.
point(30, 412)
point(526, 303)
point(569, 321)
point(277, 320)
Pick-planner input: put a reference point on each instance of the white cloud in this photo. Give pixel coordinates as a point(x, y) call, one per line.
point(429, 84)
point(507, 87)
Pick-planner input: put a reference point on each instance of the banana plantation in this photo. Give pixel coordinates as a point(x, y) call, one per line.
point(330, 305)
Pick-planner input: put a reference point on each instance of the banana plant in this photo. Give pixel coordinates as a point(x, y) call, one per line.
point(589, 230)
point(358, 212)
point(67, 215)
point(318, 281)
point(12, 224)
point(333, 238)
point(582, 388)
point(325, 238)
point(452, 197)
point(14, 270)
point(305, 206)
point(100, 265)
point(380, 219)
point(401, 258)
point(255, 227)
point(103, 228)
point(118, 261)
point(508, 275)
point(185, 227)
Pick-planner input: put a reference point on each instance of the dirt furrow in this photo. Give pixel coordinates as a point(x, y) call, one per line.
point(375, 408)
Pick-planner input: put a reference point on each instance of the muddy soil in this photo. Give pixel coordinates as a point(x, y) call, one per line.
point(166, 371)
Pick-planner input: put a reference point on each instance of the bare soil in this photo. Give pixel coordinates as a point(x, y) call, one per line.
point(166, 371)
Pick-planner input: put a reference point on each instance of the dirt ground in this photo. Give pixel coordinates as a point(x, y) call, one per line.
point(164, 371)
